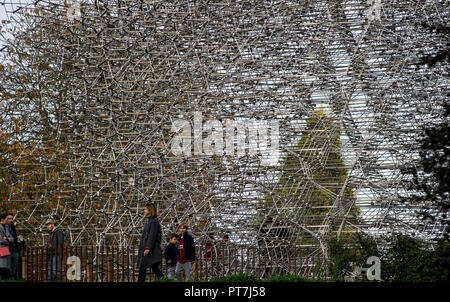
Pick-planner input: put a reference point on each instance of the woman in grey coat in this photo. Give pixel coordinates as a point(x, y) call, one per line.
point(150, 253)
point(5, 239)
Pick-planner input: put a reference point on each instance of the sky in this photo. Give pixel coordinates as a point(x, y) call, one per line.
point(8, 6)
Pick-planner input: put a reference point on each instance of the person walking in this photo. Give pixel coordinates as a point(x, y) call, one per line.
point(150, 253)
point(55, 245)
point(171, 255)
point(186, 254)
point(13, 246)
point(5, 241)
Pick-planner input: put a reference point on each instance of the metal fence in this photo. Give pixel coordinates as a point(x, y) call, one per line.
point(118, 264)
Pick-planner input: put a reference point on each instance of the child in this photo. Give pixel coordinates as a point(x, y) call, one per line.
point(186, 254)
point(170, 254)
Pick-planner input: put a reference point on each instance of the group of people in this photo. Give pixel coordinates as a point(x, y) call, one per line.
point(214, 251)
point(179, 253)
point(11, 246)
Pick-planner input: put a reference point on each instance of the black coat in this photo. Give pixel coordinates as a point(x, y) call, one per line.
point(171, 253)
point(13, 245)
point(151, 238)
point(55, 242)
point(188, 247)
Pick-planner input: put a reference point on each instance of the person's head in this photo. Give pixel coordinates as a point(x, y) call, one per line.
point(51, 225)
point(183, 228)
point(9, 219)
point(173, 238)
point(150, 210)
point(225, 238)
point(3, 218)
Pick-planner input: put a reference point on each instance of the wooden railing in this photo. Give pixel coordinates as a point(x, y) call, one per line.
point(118, 264)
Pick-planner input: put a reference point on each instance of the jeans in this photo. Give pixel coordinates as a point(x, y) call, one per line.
point(143, 271)
point(187, 268)
point(171, 272)
point(53, 268)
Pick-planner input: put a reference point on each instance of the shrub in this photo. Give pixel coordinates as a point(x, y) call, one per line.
point(403, 258)
point(411, 260)
point(289, 278)
point(348, 252)
point(165, 279)
point(241, 277)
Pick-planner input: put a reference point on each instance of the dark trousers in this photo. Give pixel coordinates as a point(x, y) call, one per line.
point(143, 271)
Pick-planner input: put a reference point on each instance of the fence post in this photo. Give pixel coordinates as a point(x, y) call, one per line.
point(33, 264)
point(109, 265)
point(89, 270)
point(195, 270)
point(199, 261)
point(42, 276)
point(24, 265)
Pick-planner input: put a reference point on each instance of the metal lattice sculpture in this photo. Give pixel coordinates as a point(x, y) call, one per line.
point(103, 83)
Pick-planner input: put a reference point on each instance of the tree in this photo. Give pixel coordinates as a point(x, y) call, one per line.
point(429, 177)
point(348, 253)
point(312, 189)
point(408, 259)
point(66, 156)
point(33, 144)
point(403, 258)
point(439, 54)
point(430, 185)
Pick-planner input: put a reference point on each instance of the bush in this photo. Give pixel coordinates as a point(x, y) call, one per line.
point(165, 279)
point(246, 277)
point(411, 260)
point(12, 280)
point(346, 253)
point(403, 258)
point(241, 277)
point(289, 278)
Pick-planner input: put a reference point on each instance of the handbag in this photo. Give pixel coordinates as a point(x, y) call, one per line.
point(4, 251)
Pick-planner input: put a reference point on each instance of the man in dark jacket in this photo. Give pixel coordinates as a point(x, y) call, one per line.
point(55, 246)
point(171, 255)
point(186, 253)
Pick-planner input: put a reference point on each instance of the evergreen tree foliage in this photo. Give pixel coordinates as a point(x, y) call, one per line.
point(312, 178)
